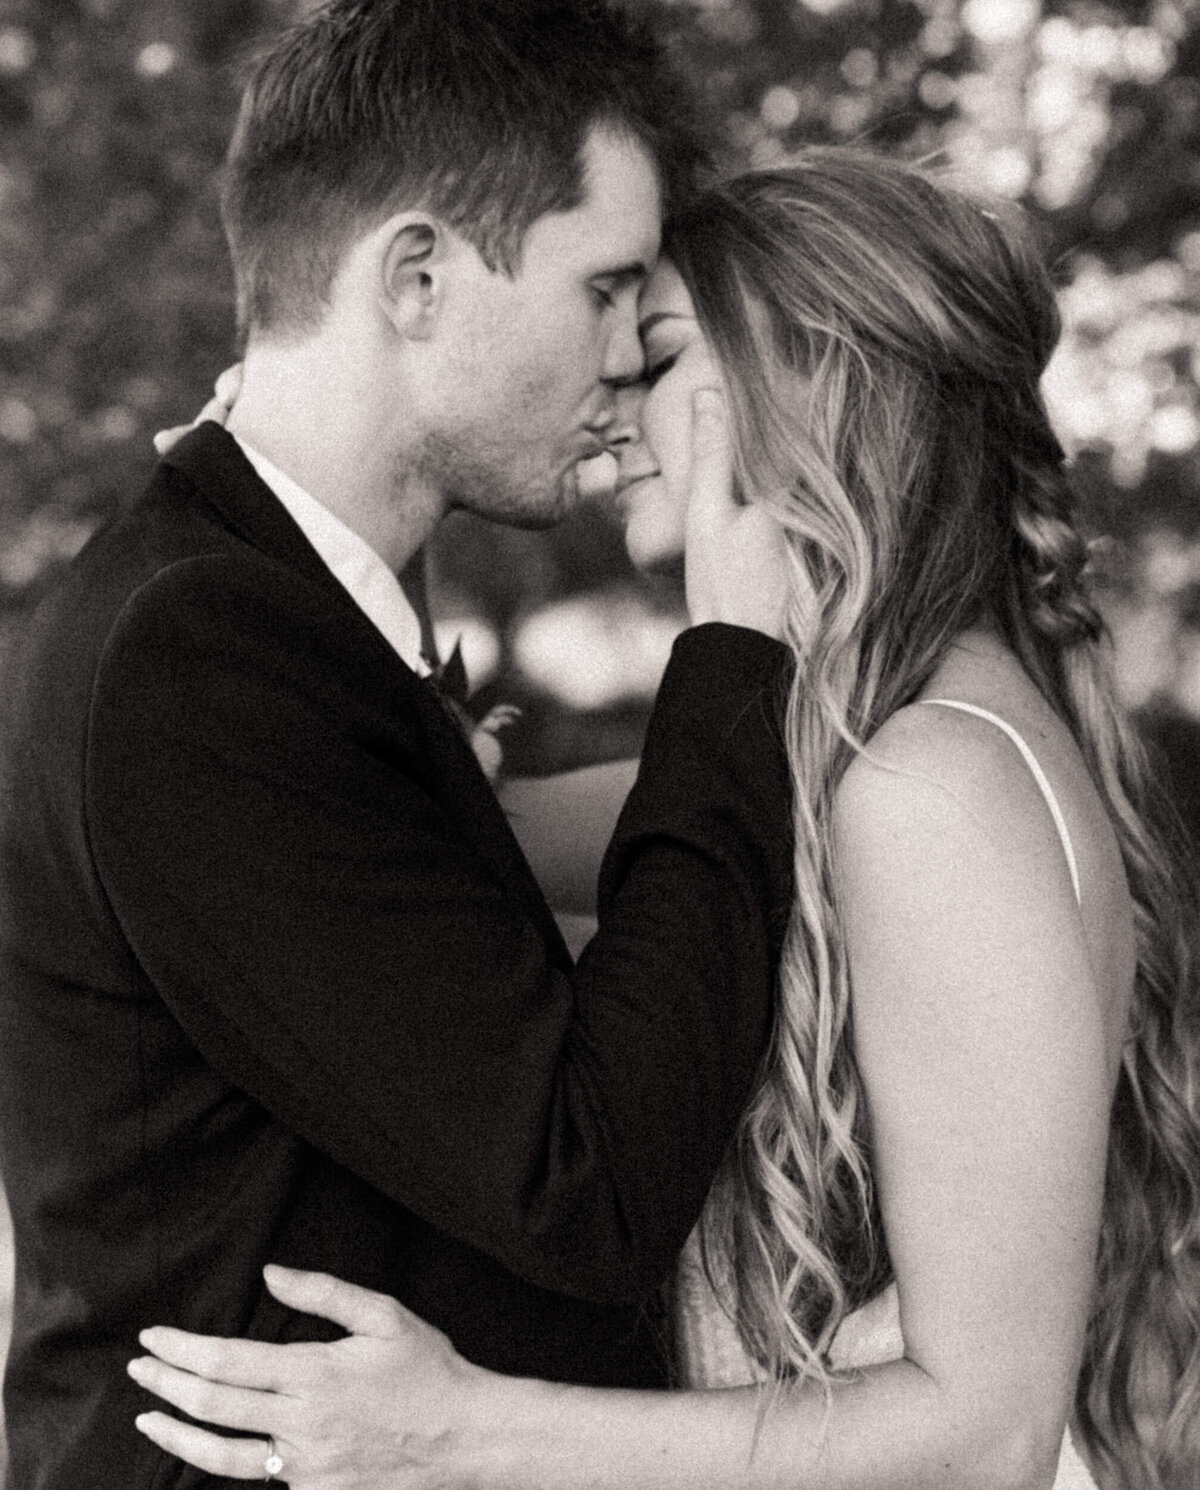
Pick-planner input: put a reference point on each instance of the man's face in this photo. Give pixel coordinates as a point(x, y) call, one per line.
point(525, 389)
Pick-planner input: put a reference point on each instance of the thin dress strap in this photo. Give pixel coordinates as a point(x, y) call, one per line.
point(1038, 775)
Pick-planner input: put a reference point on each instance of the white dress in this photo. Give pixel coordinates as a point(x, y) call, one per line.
point(709, 1352)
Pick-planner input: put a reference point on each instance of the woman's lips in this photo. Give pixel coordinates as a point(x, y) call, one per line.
point(624, 483)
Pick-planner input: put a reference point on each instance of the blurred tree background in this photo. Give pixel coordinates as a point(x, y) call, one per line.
point(115, 297)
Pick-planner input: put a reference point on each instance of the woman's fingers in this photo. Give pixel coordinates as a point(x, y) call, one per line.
point(228, 386)
point(356, 1309)
point(211, 1401)
point(225, 394)
point(240, 1363)
point(167, 439)
point(711, 499)
point(735, 565)
point(234, 1458)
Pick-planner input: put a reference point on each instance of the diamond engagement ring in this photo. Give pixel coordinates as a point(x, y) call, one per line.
point(274, 1464)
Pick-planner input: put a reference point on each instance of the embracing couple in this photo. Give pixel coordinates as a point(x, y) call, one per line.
point(873, 1099)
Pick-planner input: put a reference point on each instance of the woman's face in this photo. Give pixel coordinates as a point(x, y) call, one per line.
point(652, 473)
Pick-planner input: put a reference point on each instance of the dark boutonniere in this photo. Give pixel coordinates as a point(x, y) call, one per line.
point(449, 678)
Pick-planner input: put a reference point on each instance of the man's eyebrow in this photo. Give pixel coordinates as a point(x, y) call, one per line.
point(625, 274)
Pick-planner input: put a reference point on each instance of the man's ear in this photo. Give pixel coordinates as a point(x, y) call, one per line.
point(412, 272)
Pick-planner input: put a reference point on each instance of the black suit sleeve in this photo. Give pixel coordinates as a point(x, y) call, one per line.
point(292, 889)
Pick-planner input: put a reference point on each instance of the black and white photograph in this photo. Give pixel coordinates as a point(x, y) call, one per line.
point(600, 744)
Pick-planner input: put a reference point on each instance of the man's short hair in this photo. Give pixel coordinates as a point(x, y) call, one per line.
point(474, 110)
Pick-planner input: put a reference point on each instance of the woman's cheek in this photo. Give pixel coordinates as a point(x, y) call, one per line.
point(657, 524)
point(654, 533)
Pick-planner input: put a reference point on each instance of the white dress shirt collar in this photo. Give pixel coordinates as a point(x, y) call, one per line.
point(352, 562)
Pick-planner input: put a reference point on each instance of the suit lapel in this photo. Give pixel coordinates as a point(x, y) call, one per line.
point(213, 462)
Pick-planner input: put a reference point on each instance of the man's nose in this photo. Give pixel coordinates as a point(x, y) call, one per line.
point(623, 359)
point(620, 423)
point(626, 426)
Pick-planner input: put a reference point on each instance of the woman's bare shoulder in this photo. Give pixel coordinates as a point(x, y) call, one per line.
point(934, 781)
point(927, 751)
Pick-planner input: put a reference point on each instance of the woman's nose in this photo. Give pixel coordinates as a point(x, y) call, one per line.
point(626, 428)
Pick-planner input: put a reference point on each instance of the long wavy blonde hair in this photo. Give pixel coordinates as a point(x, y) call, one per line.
point(882, 337)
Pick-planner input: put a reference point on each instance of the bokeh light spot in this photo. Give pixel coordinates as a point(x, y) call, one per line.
point(860, 67)
point(937, 91)
point(156, 60)
point(18, 422)
point(45, 539)
point(593, 651)
point(1008, 171)
point(849, 112)
point(1148, 54)
point(780, 108)
point(116, 424)
point(940, 36)
point(18, 50)
point(1175, 429)
point(1000, 22)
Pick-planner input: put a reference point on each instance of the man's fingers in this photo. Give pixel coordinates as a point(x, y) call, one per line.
point(212, 1402)
point(239, 1363)
point(356, 1309)
point(234, 1458)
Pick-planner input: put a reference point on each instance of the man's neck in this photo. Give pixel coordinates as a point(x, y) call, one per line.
point(318, 417)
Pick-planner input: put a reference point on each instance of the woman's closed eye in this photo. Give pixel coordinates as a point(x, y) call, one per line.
point(656, 367)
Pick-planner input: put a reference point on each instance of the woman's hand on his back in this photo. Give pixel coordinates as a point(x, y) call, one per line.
point(225, 393)
point(340, 1415)
point(736, 560)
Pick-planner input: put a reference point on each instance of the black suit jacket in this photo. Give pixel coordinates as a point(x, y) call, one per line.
point(279, 985)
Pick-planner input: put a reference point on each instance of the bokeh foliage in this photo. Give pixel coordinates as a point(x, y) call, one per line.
point(115, 298)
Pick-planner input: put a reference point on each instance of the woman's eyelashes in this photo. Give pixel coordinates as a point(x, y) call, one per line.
point(657, 366)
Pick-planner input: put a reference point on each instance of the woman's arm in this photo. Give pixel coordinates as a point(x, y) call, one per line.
point(980, 1037)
